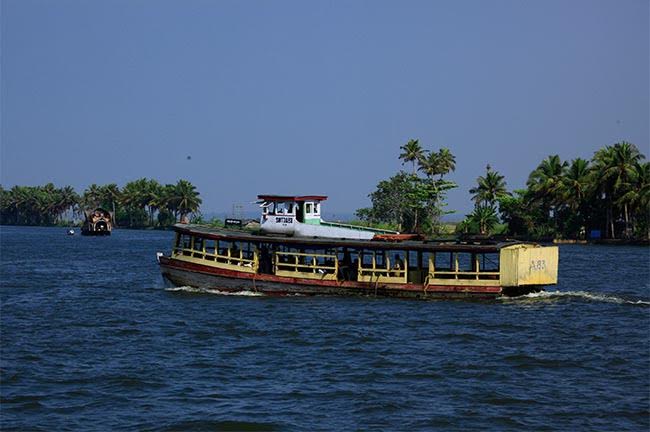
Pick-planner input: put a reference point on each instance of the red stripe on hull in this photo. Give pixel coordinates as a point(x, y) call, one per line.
point(192, 274)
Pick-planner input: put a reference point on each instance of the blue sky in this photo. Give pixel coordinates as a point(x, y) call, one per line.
point(313, 97)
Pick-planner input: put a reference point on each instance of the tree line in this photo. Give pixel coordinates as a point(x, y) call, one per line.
point(140, 203)
point(607, 196)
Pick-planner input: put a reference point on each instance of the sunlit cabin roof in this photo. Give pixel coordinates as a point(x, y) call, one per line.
point(322, 242)
point(284, 198)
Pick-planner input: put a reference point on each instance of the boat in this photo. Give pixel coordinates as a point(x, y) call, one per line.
point(287, 255)
point(98, 222)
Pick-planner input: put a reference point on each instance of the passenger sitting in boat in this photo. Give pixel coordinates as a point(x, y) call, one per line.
point(398, 265)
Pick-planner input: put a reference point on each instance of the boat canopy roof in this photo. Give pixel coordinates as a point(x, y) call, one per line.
point(322, 242)
point(293, 198)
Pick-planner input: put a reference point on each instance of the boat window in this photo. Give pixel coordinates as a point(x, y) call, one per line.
point(223, 246)
point(413, 259)
point(185, 241)
point(209, 246)
point(443, 260)
point(316, 208)
point(308, 208)
point(489, 262)
point(425, 259)
point(380, 259)
point(281, 208)
point(366, 258)
point(397, 257)
point(198, 243)
point(465, 262)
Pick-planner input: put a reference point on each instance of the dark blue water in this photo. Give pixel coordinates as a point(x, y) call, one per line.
point(91, 340)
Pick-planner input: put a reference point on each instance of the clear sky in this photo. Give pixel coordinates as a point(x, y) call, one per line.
point(313, 97)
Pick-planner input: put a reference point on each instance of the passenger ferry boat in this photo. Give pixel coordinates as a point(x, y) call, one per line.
point(296, 252)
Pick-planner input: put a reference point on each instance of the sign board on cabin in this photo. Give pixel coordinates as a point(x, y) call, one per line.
point(229, 222)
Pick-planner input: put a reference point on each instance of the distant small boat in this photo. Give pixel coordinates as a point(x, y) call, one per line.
point(70, 232)
point(99, 222)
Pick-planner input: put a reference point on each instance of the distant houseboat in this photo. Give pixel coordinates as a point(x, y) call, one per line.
point(286, 257)
point(97, 222)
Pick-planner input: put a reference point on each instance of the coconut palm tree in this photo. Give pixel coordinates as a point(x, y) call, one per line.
point(489, 189)
point(576, 183)
point(637, 198)
point(439, 163)
point(485, 217)
point(615, 168)
point(186, 198)
point(546, 180)
point(546, 186)
point(429, 164)
point(133, 200)
point(92, 196)
point(68, 200)
point(412, 152)
point(110, 197)
point(447, 161)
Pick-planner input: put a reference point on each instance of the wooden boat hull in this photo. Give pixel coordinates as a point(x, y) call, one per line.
point(182, 273)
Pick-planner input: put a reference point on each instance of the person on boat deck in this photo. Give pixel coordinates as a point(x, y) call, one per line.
point(398, 264)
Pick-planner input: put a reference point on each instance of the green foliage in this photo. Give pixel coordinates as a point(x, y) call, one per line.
point(409, 202)
point(490, 188)
point(412, 152)
point(483, 220)
point(39, 205)
point(610, 193)
point(140, 203)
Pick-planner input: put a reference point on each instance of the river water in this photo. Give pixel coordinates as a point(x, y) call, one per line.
point(92, 340)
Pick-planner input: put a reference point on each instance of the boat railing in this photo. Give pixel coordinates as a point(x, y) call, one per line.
point(464, 275)
point(357, 227)
point(381, 273)
point(306, 265)
point(235, 259)
point(456, 273)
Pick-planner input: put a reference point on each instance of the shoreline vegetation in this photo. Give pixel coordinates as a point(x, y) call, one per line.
point(605, 199)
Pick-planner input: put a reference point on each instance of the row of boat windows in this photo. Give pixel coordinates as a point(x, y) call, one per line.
point(280, 208)
point(442, 261)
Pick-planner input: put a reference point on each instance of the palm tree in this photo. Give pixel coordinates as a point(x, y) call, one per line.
point(447, 161)
point(92, 196)
point(616, 168)
point(132, 198)
point(485, 217)
point(429, 164)
point(546, 180)
point(153, 192)
point(110, 196)
point(412, 152)
point(637, 198)
point(546, 186)
point(489, 189)
point(68, 199)
point(185, 198)
point(439, 163)
point(576, 183)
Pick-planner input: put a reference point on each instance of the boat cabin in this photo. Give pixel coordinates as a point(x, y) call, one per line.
point(301, 216)
point(280, 213)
